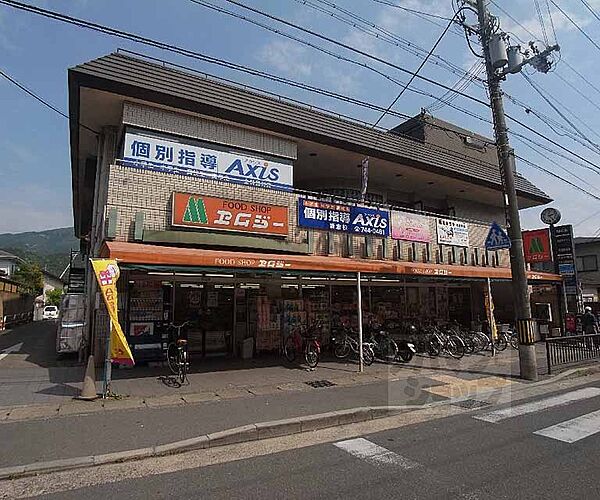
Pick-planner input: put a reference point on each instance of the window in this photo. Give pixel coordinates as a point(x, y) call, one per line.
point(587, 263)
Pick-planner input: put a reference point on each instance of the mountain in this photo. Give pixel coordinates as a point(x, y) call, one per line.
point(51, 249)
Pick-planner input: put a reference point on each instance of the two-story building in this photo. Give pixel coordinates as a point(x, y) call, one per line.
point(243, 210)
point(587, 254)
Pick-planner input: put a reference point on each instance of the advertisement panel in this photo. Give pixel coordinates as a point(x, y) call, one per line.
point(339, 217)
point(206, 212)
point(452, 232)
point(184, 159)
point(536, 245)
point(410, 227)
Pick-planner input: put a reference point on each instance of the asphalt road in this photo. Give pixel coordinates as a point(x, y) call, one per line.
point(497, 456)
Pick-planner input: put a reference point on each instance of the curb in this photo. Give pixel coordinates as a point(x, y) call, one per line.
point(252, 432)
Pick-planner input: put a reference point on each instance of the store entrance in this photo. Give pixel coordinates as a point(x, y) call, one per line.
point(209, 307)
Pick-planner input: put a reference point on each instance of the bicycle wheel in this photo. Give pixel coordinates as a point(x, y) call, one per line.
point(388, 349)
point(368, 355)
point(500, 343)
point(481, 341)
point(455, 347)
point(289, 349)
point(172, 358)
point(405, 355)
point(342, 350)
point(311, 354)
point(469, 345)
point(183, 365)
point(514, 341)
point(434, 347)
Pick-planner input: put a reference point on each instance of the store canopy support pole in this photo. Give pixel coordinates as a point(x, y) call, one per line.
point(360, 326)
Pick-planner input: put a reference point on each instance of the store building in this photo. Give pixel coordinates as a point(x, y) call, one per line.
point(241, 210)
point(587, 252)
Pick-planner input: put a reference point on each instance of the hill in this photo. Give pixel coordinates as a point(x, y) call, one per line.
point(50, 249)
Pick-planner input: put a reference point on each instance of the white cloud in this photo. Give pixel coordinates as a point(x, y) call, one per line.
point(287, 57)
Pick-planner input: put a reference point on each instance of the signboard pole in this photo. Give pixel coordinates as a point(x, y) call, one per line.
point(360, 325)
point(491, 319)
point(107, 363)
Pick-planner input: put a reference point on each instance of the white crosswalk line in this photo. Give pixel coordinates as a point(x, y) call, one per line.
point(542, 404)
point(573, 430)
point(374, 454)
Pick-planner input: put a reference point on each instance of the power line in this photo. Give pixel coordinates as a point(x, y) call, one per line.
point(412, 11)
point(541, 20)
point(380, 33)
point(551, 21)
point(580, 75)
point(412, 78)
point(589, 7)
point(516, 21)
point(579, 28)
point(570, 85)
point(42, 101)
point(556, 176)
point(211, 60)
point(327, 39)
point(560, 113)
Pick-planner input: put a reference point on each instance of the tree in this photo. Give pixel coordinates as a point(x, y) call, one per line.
point(53, 297)
point(30, 276)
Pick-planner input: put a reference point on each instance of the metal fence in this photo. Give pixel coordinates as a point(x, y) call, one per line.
point(568, 350)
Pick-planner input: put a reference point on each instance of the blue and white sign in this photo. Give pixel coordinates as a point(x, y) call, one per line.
point(174, 157)
point(566, 269)
point(338, 217)
point(497, 239)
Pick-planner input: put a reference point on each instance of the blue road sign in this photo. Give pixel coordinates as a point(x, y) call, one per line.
point(497, 239)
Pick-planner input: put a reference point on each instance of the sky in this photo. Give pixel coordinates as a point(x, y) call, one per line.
point(35, 183)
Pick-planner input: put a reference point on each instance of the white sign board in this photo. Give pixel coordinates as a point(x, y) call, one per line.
point(178, 158)
point(452, 232)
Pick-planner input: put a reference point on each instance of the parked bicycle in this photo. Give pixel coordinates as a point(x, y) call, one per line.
point(305, 340)
point(346, 344)
point(384, 347)
point(451, 344)
point(177, 351)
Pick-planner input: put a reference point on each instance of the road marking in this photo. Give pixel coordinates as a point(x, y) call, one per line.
point(8, 350)
point(374, 454)
point(543, 404)
point(573, 430)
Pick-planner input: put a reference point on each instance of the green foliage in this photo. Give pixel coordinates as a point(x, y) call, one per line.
point(30, 276)
point(53, 297)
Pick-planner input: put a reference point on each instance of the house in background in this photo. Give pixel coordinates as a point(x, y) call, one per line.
point(9, 263)
point(51, 282)
point(587, 252)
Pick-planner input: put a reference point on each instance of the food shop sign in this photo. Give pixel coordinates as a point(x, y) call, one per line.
point(197, 211)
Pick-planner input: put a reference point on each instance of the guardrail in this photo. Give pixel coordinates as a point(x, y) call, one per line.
point(568, 350)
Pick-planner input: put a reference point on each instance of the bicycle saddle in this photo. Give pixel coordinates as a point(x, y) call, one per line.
point(182, 342)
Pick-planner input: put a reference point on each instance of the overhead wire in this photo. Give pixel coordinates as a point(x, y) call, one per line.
point(178, 50)
point(380, 33)
point(579, 28)
point(41, 100)
point(412, 78)
point(541, 20)
point(586, 80)
point(559, 112)
point(327, 39)
point(589, 7)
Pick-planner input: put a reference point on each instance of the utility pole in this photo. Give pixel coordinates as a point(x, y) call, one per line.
point(525, 324)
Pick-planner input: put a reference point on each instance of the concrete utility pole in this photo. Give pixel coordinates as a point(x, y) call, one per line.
point(525, 324)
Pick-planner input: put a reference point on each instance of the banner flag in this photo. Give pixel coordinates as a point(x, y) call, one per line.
point(107, 274)
point(364, 178)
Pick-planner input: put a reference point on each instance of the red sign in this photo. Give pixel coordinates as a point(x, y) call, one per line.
point(190, 210)
point(536, 245)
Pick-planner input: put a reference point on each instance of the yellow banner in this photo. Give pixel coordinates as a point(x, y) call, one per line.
point(107, 274)
point(489, 309)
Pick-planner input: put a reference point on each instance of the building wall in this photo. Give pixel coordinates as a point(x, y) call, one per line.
point(7, 267)
point(590, 279)
point(131, 190)
point(196, 127)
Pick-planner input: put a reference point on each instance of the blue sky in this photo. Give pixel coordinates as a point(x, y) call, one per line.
point(35, 170)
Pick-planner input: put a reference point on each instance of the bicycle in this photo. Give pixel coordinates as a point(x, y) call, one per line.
point(306, 341)
point(177, 353)
point(450, 344)
point(348, 345)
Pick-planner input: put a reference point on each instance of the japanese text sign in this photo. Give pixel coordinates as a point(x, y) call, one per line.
point(107, 273)
point(232, 215)
point(184, 159)
point(536, 246)
point(452, 232)
point(339, 217)
point(410, 227)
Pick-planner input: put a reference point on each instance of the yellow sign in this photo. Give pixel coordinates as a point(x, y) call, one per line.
point(489, 309)
point(107, 274)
